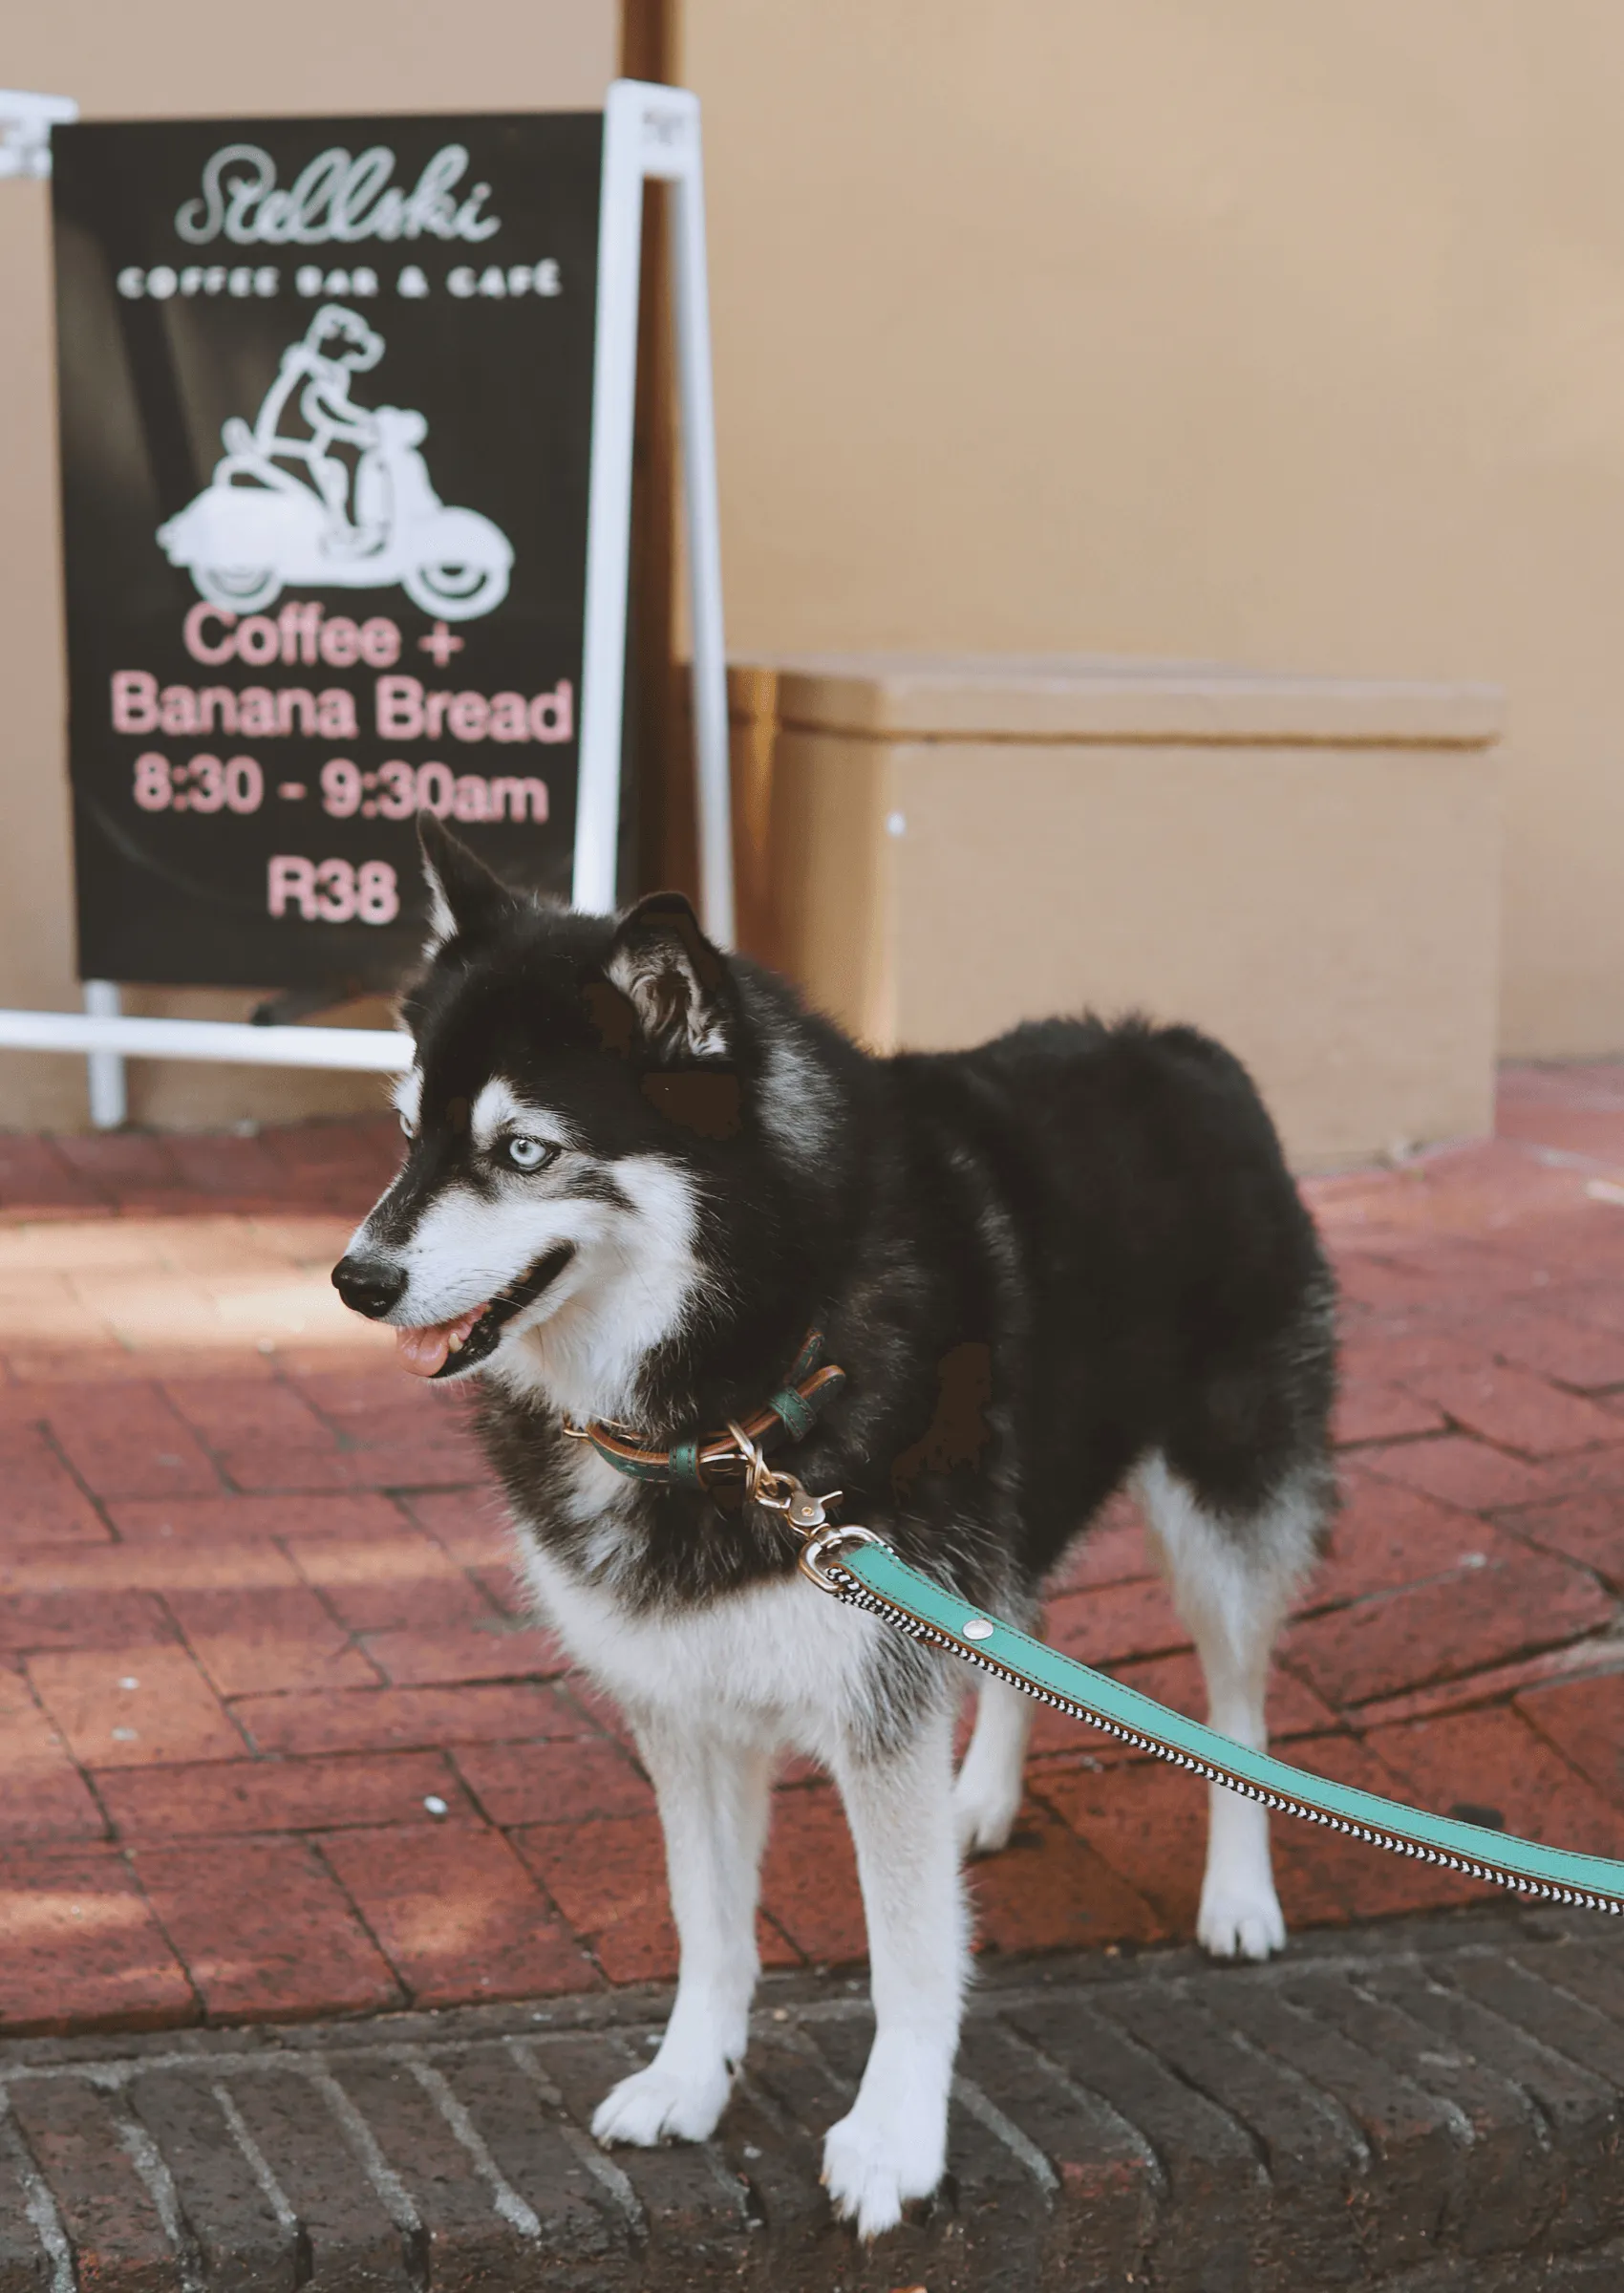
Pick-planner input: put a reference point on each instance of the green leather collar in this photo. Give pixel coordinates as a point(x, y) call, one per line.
point(701, 1461)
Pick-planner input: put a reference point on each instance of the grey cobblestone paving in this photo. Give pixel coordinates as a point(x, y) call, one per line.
point(1433, 2104)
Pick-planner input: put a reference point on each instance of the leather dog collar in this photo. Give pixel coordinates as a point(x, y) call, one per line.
point(700, 1463)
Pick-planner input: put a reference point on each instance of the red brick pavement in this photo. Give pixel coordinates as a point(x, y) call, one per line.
point(278, 1741)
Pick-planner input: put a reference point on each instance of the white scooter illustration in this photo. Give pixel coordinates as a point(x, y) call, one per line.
point(281, 510)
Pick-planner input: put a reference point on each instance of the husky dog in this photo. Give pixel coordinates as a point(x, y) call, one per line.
point(639, 1170)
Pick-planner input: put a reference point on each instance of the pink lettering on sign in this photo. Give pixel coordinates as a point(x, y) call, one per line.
point(292, 883)
point(266, 712)
point(332, 891)
point(301, 634)
point(510, 719)
point(518, 799)
point(551, 714)
point(405, 711)
point(135, 701)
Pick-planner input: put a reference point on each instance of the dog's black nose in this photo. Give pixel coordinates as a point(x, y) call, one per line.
point(368, 1286)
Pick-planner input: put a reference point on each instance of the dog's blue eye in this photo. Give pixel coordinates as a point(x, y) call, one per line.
point(530, 1154)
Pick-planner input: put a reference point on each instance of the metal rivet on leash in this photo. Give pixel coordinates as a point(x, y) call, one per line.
point(978, 1628)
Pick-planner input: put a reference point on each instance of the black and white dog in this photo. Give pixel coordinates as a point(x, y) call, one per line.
point(638, 1172)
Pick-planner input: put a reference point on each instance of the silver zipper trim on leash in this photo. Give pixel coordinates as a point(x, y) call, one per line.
point(819, 1560)
point(846, 1588)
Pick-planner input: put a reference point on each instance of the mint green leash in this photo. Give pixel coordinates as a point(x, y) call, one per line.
point(859, 1568)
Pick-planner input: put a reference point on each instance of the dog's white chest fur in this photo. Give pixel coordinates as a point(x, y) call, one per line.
point(777, 1664)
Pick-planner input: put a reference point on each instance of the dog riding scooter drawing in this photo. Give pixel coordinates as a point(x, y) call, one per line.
point(283, 510)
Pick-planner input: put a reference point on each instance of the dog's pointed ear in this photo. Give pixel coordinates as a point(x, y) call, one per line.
point(465, 898)
point(675, 982)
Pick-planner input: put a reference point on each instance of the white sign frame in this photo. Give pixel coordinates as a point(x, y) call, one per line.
point(651, 134)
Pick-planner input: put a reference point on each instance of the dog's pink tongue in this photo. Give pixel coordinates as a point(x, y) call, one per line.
point(424, 1351)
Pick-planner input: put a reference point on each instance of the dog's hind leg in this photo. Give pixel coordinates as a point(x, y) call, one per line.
point(986, 1791)
point(713, 1796)
point(891, 2145)
point(1232, 1582)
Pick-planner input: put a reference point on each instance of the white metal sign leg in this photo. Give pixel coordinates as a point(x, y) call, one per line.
point(104, 1070)
point(608, 502)
point(693, 308)
point(653, 133)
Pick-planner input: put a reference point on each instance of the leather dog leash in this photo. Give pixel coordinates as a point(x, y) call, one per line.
point(860, 1568)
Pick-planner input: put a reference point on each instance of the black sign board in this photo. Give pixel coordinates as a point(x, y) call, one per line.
point(325, 411)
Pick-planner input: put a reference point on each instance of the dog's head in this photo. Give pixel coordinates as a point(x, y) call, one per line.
point(576, 1097)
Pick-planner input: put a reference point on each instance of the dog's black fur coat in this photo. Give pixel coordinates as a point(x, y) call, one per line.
point(1037, 1261)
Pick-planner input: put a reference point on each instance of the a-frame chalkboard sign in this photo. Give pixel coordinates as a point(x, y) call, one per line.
point(347, 438)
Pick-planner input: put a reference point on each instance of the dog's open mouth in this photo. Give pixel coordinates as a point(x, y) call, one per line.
point(445, 1349)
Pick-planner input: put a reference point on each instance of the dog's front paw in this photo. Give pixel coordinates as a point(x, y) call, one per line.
point(660, 2105)
point(871, 2170)
point(1240, 1922)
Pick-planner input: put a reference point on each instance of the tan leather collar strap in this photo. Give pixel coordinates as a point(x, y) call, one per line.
point(702, 1463)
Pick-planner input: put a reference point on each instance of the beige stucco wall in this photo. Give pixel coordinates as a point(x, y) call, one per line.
point(131, 61)
point(1263, 332)
point(1308, 869)
point(1268, 334)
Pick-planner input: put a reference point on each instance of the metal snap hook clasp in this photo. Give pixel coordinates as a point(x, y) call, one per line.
point(780, 1493)
point(828, 1541)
